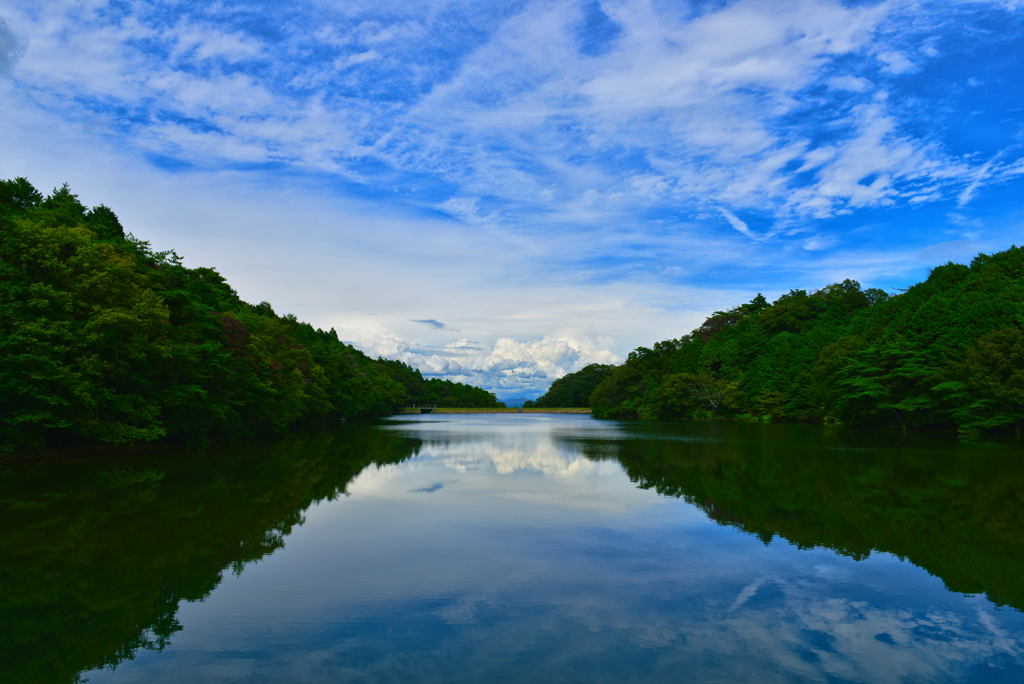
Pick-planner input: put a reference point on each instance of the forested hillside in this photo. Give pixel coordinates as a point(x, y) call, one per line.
point(104, 340)
point(443, 393)
point(573, 390)
point(947, 353)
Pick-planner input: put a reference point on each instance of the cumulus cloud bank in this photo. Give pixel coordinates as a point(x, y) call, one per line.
point(511, 367)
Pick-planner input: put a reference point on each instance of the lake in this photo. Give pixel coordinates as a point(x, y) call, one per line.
point(520, 548)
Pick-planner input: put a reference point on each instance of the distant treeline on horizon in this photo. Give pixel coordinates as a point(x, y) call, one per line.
point(103, 340)
point(947, 353)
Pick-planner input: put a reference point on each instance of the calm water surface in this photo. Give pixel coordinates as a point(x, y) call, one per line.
point(521, 548)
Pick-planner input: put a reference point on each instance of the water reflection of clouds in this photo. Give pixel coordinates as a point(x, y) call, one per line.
point(784, 630)
point(541, 447)
point(476, 462)
point(462, 464)
point(376, 478)
point(816, 638)
point(827, 621)
point(531, 559)
point(541, 458)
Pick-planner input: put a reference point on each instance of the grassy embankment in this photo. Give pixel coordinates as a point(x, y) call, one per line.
point(501, 410)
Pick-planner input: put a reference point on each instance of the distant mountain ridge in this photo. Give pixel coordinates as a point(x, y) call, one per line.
point(515, 402)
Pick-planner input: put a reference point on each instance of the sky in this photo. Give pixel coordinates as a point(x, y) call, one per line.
point(501, 193)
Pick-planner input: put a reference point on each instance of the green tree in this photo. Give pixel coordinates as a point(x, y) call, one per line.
point(942, 354)
point(105, 340)
point(574, 389)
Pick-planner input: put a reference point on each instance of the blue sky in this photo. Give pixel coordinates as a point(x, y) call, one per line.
point(503, 192)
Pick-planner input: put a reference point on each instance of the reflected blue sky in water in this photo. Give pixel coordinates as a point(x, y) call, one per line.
point(502, 553)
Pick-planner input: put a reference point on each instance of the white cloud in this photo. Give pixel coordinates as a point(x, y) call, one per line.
point(206, 41)
point(737, 223)
point(523, 125)
point(820, 242)
point(507, 366)
point(854, 84)
point(896, 62)
point(358, 58)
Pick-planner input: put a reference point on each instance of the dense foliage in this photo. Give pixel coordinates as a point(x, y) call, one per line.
point(437, 391)
point(573, 390)
point(946, 353)
point(103, 339)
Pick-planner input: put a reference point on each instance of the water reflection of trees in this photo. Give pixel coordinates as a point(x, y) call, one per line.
point(98, 554)
point(955, 510)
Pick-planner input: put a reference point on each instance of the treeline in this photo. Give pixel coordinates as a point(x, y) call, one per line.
point(573, 390)
point(443, 393)
point(103, 339)
point(947, 353)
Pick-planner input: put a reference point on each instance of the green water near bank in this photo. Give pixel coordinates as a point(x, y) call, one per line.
point(520, 548)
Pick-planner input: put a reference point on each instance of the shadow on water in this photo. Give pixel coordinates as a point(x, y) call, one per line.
point(98, 553)
point(952, 508)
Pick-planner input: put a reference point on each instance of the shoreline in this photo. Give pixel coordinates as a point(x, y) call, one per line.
point(415, 411)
